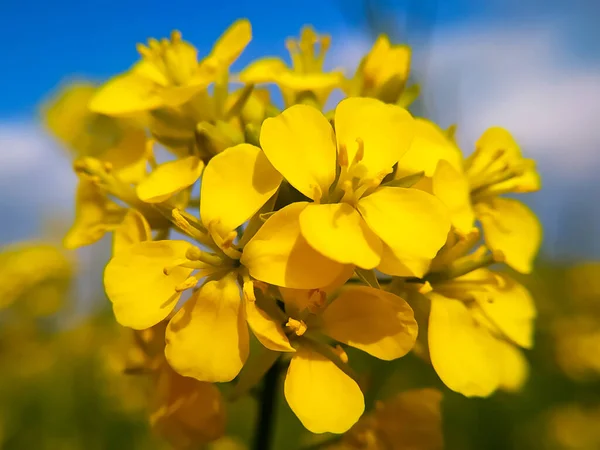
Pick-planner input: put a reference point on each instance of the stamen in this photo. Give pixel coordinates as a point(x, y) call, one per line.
point(360, 152)
point(343, 156)
point(248, 289)
point(341, 353)
point(425, 288)
point(316, 300)
point(224, 243)
point(189, 283)
point(317, 193)
point(176, 36)
point(297, 326)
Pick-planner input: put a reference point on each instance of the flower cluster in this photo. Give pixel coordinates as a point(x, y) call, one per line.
point(310, 229)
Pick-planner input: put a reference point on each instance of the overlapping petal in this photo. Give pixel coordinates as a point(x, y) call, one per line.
point(208, 337)
point(235, 184)
point(267, 331)
point(323, 397)
point(512, 228)
point(375, 321)
point(279, 255)
point(460, 349)
point(413, 223)
point(141, 293)
point(338, 232)
point(126, 94)
point(300, 144)
point(386, 131)
point(170, 178)
point(452, 188)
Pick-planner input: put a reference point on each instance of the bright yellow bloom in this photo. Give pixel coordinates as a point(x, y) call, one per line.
point(497, 167)
point(305, 77)
point(471, 188)
point(474, 324)
point(396, 229)
point(324, 398)
point(169, 73)
point(382, 73)
point(235, 185)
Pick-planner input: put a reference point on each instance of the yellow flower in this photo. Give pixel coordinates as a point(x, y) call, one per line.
point(169, 73)
point(497, 167)
point(305, 77)
point(475, 324)
point(382, 73)
point(471, 189)
point(145, 280)
point(395, 229)
point(95, 212)
point(321, 394)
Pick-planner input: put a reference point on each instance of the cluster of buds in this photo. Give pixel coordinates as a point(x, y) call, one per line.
point(310, 230)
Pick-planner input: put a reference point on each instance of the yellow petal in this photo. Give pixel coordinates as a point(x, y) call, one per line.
point(511, 308)
point(279, 255)
point(452, 188)
point(126, 94)
point(413, 223)
point(141, 294)
point(232, 43)
point(514, 368)
point(302, 82)
point(429, 146)
point(235, 185)
point(461, 349)
point(330, 228)
point(512, 228)
point(300, 144)
point(264, 70)
point(486, 157)
point(95, 214)
point(377, 322)
point(128, 157)
point(208, 338)
point(386, 132)
point(405, 267)
point(170, 178)
point(323, 397)
point(267, 331)
point(133, 229)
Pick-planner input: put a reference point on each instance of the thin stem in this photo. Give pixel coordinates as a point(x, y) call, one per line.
point(265, 424)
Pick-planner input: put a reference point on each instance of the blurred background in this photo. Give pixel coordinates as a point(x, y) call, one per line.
point(532, 67)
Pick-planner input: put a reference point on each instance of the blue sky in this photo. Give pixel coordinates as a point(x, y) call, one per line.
point(528, 65)
point(44, 42)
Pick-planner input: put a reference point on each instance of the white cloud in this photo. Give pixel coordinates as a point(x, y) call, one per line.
point(36, 181)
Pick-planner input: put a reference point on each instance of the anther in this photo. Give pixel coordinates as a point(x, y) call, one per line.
point(360, 152)
point(189, 283)
point(425, 288)
point(341, 353)
point(175, 36)
point(248, 290)
point(297, 326)
point(343, 155)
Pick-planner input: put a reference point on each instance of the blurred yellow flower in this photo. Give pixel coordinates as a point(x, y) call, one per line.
point(305, 80)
